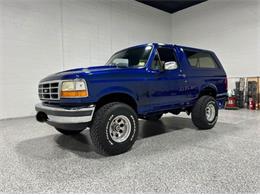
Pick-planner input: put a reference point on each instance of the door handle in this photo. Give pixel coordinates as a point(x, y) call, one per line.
point(182, 75)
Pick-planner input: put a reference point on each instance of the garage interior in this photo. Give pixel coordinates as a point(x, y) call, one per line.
point(41, 37)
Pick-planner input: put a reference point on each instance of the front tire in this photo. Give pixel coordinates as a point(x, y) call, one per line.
point(114, 129)
point(68, 132)
point(205, 113)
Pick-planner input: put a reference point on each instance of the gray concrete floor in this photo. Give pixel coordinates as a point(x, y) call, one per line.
point(169, 156)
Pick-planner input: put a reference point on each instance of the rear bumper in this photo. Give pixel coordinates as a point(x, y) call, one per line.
point(59, 115)
point(221, 100)
point(222, 96)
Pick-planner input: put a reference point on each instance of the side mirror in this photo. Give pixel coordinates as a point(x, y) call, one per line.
point(172, 65)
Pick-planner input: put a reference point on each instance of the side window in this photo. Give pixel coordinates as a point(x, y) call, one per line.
point(200, 59)
point(166, 54)
point(164, 57)
point(168, 58)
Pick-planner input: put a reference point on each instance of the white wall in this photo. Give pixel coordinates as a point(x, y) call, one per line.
point(231, 28)
point(94, 29)
point(39, 37)
point(30, 43)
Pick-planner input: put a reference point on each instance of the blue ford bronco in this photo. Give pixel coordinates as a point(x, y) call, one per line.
point(143, 82)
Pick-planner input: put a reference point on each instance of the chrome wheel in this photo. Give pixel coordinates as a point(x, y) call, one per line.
point(120, 128)
point(210, 112)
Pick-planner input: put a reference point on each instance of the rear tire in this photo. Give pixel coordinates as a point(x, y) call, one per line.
point(114, 129)
point(205, 113)
point(68, 132)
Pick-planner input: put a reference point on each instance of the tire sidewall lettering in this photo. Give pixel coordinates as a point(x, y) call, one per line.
point(134, 127)
point(107, 130)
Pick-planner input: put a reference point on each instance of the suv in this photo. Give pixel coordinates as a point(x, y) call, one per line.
point(143, 82)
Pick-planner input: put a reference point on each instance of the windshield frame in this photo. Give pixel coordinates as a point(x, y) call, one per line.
point(138, 46)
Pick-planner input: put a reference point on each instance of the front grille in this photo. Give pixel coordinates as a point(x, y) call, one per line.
point(49, 90)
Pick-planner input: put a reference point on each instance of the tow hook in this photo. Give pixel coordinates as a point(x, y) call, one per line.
point(41, 117)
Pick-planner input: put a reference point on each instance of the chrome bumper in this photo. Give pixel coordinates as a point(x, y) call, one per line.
point(66, 115)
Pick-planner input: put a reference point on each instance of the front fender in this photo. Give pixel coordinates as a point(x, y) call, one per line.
point(116, 89)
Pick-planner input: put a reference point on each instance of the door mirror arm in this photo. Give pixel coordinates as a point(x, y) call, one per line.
point(162, 69)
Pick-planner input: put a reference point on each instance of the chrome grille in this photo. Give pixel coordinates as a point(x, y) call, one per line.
point(49, 90)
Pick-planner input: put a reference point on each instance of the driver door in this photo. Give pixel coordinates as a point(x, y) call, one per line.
point(167, 86)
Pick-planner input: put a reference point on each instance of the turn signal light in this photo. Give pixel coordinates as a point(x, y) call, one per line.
point(81, 93)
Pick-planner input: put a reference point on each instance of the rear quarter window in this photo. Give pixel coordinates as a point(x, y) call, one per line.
point(200, 59)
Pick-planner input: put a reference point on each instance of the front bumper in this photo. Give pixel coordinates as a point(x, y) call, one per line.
point(60, 115)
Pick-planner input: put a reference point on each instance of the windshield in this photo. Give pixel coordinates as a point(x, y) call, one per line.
point(131, 58)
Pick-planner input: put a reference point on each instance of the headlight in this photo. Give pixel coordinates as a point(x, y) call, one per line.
point(74, 89)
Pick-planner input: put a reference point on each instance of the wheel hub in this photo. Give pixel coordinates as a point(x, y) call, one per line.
point(120, 128)
point(210, 112)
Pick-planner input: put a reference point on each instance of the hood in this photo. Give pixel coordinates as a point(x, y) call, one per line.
point(84, 72)
point(87, 70)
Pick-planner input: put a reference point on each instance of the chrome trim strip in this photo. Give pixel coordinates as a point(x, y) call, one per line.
point(66, 119)
point(53, 81)
point(40, 105)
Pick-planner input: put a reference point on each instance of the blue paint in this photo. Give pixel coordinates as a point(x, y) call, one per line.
point(153, 91)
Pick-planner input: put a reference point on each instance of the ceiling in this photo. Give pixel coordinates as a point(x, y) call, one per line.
point(171, 6)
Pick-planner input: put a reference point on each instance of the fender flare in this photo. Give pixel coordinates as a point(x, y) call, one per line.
point(208, 85)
